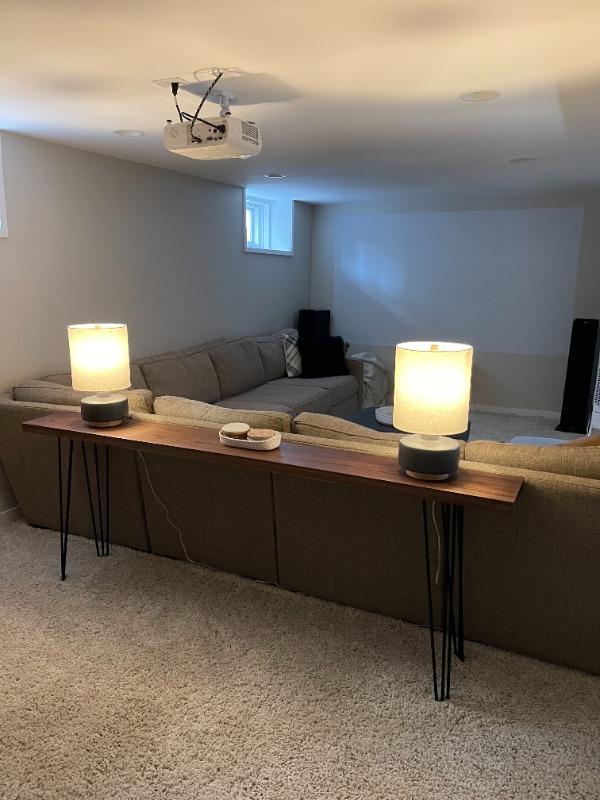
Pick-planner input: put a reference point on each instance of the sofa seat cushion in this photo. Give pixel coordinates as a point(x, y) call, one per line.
point(298, 398)
point(60, 395)
point(185, 409)
point(183, 375)
point(341, 387)
point(238, 366)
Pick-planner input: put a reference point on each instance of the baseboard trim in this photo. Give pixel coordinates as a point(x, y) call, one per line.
point(520, 412)
point(10, 515)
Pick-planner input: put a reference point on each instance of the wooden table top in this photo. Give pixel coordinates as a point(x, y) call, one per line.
point(469, 487)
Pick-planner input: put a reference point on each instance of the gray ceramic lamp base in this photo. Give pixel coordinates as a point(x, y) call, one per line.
point(429, 458)
point(104, 411)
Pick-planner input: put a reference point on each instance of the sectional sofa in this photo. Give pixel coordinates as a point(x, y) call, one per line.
point(532, 576)
point(238, 373)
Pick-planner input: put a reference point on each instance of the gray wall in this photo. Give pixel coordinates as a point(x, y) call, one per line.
point(560, 260)
point(97, 238)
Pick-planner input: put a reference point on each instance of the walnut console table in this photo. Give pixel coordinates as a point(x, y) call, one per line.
point(468, 488)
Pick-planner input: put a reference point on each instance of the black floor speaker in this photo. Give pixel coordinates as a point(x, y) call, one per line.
point(582, 372)
point(313, 322)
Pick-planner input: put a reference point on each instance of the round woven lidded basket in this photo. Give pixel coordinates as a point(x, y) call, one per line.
point(248, 444)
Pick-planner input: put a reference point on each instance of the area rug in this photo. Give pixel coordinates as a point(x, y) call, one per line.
point(142, 677)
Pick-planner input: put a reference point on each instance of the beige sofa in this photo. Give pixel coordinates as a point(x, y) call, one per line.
point(532, 576)
point(246, 373)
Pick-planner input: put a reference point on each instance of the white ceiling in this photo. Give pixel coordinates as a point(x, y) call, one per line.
point(376, 111)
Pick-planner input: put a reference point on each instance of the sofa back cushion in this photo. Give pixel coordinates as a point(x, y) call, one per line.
point(272, 355)
point(328, 427)
point(182, 374)
point(355, 445)
point(64, 378)
point(194, 411)
point(57, 394)
point(582, 462)
point(238, 366)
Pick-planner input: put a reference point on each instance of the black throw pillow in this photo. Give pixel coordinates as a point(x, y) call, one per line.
point(322, 356)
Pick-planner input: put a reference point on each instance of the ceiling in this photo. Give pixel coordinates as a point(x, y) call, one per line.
point(374, 87)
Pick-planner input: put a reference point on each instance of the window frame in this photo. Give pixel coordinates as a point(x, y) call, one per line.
point(264, 203)
point(3, 217)
point(261, 225)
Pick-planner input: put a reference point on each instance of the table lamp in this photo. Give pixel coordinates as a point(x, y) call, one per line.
point(431, 401)
point(100, 364)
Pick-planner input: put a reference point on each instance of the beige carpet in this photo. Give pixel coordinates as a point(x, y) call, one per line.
point(503, 427)
point(141, 677)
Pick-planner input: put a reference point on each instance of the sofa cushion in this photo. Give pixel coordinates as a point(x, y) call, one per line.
point(238, 366)
point(329, 427)
point(186, 351)
point(342, 387)
point(272, 355)
point(298, 398)
point(183, 408)
point(376, 449)
point(64, 378)
point(233, 402)
point(183, 375)
point(582, 462)
point(322, 356)
point(380, 449)
point(58, 394)
point(293, 361)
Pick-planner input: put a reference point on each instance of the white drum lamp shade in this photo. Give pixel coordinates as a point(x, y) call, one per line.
point(100, 363)
point(99, 357)
point(431, 399)
point(432, 387)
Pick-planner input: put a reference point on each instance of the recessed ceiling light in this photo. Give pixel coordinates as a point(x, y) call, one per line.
point(481, 96)
point(275, 175)
point(129, 134)
point(523, 160)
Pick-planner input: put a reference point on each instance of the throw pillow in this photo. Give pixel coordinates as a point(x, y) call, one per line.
point(322, 356)
point(293, 360)
point(185, 409)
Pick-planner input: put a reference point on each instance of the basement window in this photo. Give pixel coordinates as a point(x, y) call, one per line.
point(3, 223)
point(268, 225)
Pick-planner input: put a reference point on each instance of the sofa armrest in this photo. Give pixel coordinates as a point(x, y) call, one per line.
point(356, 367)
point(30, 463)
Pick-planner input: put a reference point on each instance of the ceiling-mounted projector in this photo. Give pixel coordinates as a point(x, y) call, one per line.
point(213, 138)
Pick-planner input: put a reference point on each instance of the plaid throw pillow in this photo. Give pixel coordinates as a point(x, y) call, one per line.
point(293, 362)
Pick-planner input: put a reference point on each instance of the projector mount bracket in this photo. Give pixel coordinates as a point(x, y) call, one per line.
point(223, 98)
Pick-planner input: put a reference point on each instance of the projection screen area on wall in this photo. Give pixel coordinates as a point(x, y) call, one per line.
point(503, 281)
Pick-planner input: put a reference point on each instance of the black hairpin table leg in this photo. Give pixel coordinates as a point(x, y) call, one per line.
point(99, 511)
point(460, 515)
point(99, 508)
point(451, 623)
point(64, 504)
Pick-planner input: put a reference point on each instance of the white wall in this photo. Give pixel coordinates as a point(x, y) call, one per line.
point(96, 238)
point(507, 276)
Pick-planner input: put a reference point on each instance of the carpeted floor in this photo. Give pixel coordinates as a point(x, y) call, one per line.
point(141, 677)
point(503, 427)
